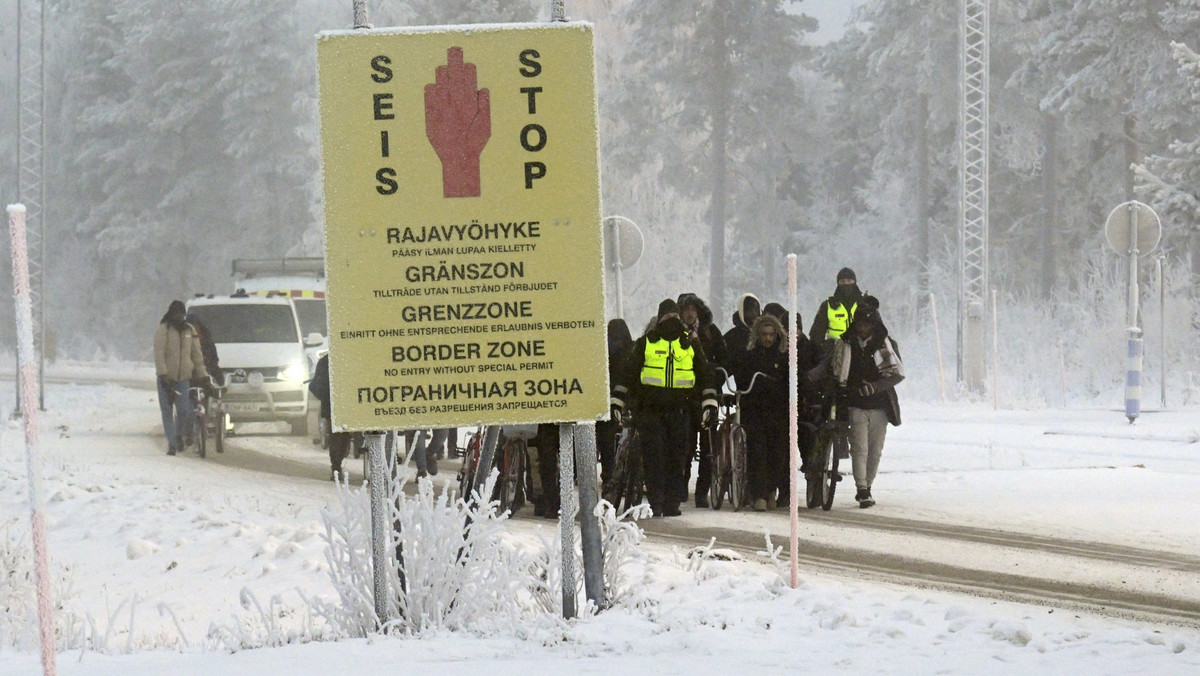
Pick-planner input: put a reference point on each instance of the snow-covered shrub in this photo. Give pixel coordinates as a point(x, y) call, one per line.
point(463, 570)
point(18, 609)
point(456, 576)
point(18, 596)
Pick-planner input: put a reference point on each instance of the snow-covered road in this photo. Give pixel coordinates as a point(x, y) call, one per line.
point(158, 551)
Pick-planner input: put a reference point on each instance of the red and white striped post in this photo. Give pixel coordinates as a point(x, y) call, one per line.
point(27, 373)
point(794, 441)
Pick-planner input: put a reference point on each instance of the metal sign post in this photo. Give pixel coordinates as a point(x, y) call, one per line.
point(1162, 329)
point(378, 485)
point(1133, 228)
point(566, 517)
point(589, 528)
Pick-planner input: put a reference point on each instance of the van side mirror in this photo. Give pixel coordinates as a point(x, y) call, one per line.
point(314, 339)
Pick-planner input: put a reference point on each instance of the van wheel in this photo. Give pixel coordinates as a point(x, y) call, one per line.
point(299, 426)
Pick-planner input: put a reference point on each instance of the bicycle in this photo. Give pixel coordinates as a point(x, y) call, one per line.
point(628, 483)
point(470, 458)
point(833, 437)
point(512, 461)
point(728, 443)
point(208, 414)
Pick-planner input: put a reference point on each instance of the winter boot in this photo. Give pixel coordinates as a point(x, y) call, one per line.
point(864, 498)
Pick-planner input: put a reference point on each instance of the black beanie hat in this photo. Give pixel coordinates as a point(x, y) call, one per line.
point(846, 273)
point(667, 307)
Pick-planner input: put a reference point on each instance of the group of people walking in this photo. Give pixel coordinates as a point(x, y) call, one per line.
point(671, 378)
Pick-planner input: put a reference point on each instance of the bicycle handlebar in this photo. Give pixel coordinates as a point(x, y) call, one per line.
point(211, 381)
point(754, 378)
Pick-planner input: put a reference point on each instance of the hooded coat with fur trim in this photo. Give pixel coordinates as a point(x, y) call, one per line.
point(710, 336)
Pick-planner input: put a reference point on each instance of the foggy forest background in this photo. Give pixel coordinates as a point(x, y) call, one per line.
point(182, 135)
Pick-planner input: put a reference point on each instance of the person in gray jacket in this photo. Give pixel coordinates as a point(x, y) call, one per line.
point(875, 370)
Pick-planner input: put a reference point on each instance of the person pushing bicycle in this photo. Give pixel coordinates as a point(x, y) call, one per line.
point(666, 371)
point(875, 370)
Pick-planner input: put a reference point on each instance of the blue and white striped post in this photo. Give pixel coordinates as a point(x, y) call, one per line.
point(1133, 352)
point(1133, 228)
point(1133, 375)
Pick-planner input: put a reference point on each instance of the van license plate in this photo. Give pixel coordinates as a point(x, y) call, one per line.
point(240, 407)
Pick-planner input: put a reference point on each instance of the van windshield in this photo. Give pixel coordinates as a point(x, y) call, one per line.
point(248, 323)
point(311, 313)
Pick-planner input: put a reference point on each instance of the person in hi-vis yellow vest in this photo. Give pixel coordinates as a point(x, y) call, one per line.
point(666, 372)
point(836, 312)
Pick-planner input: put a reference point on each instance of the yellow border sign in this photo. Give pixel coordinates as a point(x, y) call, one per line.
point(462, 226)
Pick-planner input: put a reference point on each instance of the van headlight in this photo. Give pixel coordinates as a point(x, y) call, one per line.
point(293, 373)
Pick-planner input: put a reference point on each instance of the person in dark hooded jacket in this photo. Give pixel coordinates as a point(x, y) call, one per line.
point(736, 338)
point(212, 362)
point(666, 370)
point(765, 411)
point(697, 321)
point(777, 311)
point(834, 315)
point(620, 342)
point(875, 370)
point(339, 442)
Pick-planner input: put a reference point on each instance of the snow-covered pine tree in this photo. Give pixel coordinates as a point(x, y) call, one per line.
point(707, 97)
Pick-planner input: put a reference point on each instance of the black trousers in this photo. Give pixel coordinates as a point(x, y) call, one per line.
point(766, 453)
point(606, 446)
point(666, 445)
point(704, 471)
point(339, 447)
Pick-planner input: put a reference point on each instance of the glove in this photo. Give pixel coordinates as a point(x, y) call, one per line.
point(616, 412)
point(866, 389)
point(165, 383)
point(709, 417)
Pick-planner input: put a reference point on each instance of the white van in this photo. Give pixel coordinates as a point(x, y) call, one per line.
point(301, 279)
point(262, 355)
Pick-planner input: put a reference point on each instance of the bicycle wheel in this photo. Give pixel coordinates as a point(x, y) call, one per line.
point(219, 432)
point(829, 472)
point(614, 491)
point(521, 486)
point(508, 483)
point(635, 486)
point(737, 461)
point(466, 474)
point(814, 494)
point(716, 487)
point(202, 431)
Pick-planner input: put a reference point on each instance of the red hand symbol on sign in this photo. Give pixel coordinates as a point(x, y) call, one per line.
point(458, 122)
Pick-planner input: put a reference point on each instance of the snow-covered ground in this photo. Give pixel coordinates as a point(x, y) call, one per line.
point(167, 562)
